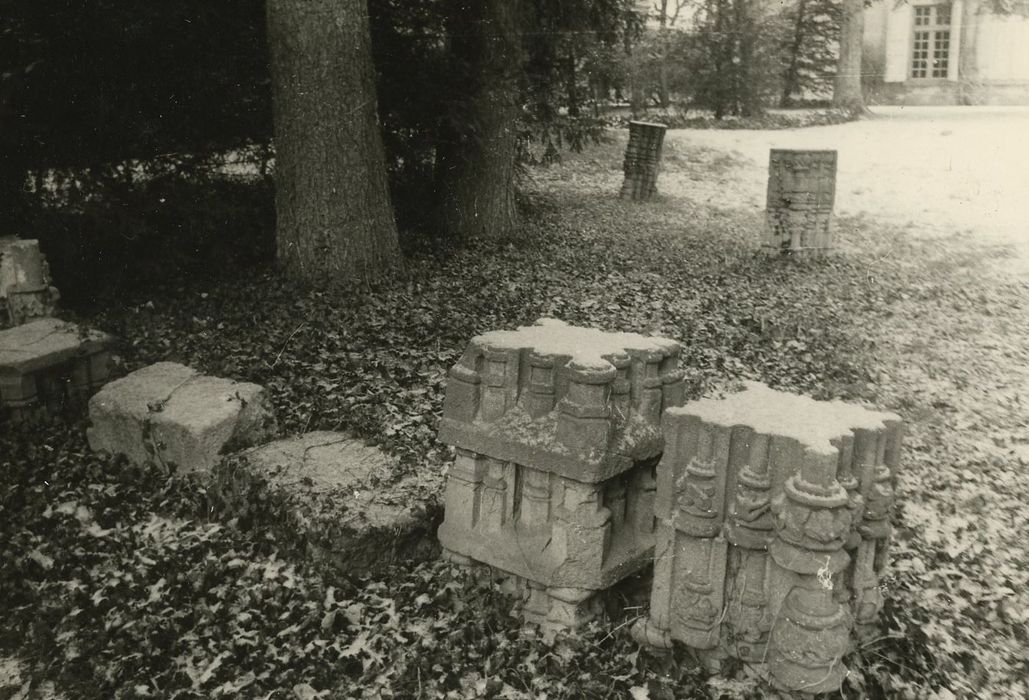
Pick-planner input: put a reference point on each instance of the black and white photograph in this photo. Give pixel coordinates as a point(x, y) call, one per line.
point(514, 349)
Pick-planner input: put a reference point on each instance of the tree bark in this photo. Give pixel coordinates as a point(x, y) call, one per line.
point(847, 85)
point(333, 214)
point(968, 64)
point(792, 79)
point(475, 161)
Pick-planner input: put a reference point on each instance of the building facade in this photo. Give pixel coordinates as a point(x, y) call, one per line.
point(913, 53)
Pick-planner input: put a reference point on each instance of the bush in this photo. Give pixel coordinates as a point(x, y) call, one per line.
point(120, 240)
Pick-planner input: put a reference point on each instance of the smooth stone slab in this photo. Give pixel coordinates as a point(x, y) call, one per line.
point(172, 415)
point(321, 492)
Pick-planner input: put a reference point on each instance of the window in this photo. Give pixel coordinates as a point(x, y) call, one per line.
point(930, 41)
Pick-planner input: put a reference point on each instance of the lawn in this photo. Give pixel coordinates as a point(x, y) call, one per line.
point(115, 583)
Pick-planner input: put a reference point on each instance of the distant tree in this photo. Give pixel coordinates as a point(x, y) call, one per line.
point(333, 214)
point(847, 92)
point(810, 47)
point(733, 57)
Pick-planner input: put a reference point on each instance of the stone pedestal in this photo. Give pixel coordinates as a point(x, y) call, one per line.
point(557, 430)
point(642, 160)
point(801, 193)
point(773, 517)
point(175, 417)
point(25, 289)
point(47, 363)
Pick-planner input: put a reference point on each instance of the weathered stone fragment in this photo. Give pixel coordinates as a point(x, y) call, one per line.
point(171, 415)
point(323, 492)
point(773, 515)
point(642, 160)
point(25, 289)
point(47, 363)
point(801, 193)
point(557, 430)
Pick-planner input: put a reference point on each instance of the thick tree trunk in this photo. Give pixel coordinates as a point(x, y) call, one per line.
point(475, 162)
point(333, 214)
point(847, 85)
point(968, 64)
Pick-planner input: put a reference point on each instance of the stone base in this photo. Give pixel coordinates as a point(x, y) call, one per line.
point(550, 610)
point(47, 365)
point(175, 417)
point(319, 492)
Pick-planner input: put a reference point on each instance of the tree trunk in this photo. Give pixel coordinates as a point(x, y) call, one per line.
point(572, 83)
point(475, 161)
point(662, 63)
point(847, 85)
point(333, 214)
point(791, 81)
point(968, 64)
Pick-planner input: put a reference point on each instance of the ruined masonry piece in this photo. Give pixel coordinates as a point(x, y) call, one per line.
point(172, 415)
point(801, 194)
point(25, 289)
point(642, 160)
point(557, 430)
point(332, 497)
point(46, 362)
point(773, 524)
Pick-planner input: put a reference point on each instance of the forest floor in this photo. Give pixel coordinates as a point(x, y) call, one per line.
point(116, 586)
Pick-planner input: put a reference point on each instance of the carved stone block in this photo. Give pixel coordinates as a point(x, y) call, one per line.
point(46, 363)
point(642, 160)
point(773, 517)
point(557, 430)
point(25, 289)
point(801, 193)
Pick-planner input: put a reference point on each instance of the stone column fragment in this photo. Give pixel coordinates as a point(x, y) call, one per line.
point(25, 286)
point(773, 517)
point(557, 430)
point(801, 193)
point(642, 160)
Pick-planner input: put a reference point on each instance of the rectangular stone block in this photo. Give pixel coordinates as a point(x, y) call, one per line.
point(773, 520)
point(173, 416)
point(557, 430)
point(47, 362)
point(801, 194)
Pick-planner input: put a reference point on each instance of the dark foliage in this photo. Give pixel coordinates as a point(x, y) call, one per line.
point(809, 46)
point(103, 82)
point(732, 59)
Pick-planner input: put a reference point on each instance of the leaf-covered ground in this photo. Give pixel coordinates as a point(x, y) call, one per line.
point(119, 585)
